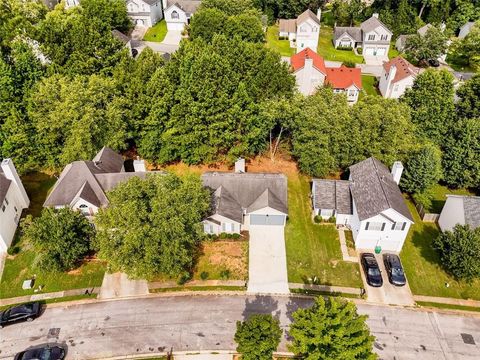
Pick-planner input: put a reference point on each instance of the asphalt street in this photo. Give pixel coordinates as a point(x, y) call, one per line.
point(207, 322)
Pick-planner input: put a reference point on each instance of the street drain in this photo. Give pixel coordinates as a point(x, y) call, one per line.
point(53, 333)
point(467, 339)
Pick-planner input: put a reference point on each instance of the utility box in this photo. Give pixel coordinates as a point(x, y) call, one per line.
point(28, 284)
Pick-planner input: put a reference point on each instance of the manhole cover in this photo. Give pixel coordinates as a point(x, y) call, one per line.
point(468, 339)
point(53, 333)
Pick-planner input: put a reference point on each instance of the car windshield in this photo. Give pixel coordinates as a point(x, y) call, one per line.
point(38, 354)
point(373, 271)
point(397, 271)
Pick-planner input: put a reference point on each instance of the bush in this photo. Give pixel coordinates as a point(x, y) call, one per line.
point(349, 64)
point(344, 48)
point(185, 277)
point(236, 236)
point(332, 220)
point(225, 274)
point(360, 51)
point(317, 219)
point(204, 275)
point(13, 250)
point(424, 199)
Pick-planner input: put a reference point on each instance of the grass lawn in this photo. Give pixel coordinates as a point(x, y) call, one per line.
point(156, 33)
point(369, 88)
point(458, 63)
point(281, 46)
point(440, 196)
point(423, 267)
point(392, 51)
point(221, 256)
point(448, 306)
point(326, 49)
point(313, 250)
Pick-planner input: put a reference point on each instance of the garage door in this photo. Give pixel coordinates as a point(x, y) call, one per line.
point(369, 51)
point(381, 52)
point(267, 219)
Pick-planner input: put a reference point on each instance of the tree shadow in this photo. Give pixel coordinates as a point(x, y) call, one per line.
point(261, 304)
point(423, 240)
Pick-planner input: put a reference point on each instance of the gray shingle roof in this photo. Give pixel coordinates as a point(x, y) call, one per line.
point(108, 160)
point(374, 190)
point(287, 25)
point(4, 186)
point(307, 14)
point(332, 194)
point(371, 24)
point(120, 36)
point(189, 6)
point(354, 32)
point(234, 192)
point(109, 180)
point(423, 30)
point(471, 208)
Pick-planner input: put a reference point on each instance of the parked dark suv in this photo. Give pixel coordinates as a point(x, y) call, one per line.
point(372, 271)
point(42, 352)
point(23, 312)
point(394, 269)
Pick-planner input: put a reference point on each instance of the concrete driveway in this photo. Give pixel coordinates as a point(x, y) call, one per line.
point(172, 38)
point(388, 293)
point(267, 269)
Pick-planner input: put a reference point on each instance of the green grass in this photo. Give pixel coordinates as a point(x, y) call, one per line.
point(458, 63)
point(326, 49)
point(313, 250)
point(369, 88)
point(423, 266)
point(448, 306)
point(323, 293)
point(20, 267)
point(440, 196)
point(392, 51)
point(156, 33)
point(281, 46)
point(198, 288)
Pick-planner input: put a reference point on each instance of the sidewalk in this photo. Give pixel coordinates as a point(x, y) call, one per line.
point(327, 288)
point(47, 296)
point(449, 301)
point(344, 248)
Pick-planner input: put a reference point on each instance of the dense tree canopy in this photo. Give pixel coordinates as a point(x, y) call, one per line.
point(153, 226)
point(258, 337)
point(331, 330)
point(460, 251)
point(421, 48)
point(60, 238)
point(468, 104)
point(468, 48)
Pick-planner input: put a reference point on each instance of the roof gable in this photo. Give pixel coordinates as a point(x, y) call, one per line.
point(332, 194)
point(471, 208)
point(373, 23)
point(4, 186)
point(404, 68)
point(298, 60)
point(343, 77)
point(188, 6)
point(267, 199)
point(307, 15)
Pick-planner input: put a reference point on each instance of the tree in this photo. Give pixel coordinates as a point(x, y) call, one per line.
point(460, 251)
point(432, 93)
point(153, 226)
point(331, 330)
point(423, 169)
point(112, 12)
point(429, 46)
point(229, 7)
point(73, 118)
point(258, 337)
point(206, 23)
point(461, 158)
point(60, 238)
point(468, 48)
point(468, 104)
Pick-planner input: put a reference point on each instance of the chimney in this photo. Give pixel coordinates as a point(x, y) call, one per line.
point(319, 14)
point(306, 87)
point(397, 169)
point(375, 15)
point(139, 165)
point(240, 165)
point(11, 174)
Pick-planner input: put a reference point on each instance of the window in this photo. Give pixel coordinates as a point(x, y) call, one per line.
point(208, 228)
point(375, 226)
point(326, 213)
point(3, 208)
point(384, 37)
point(302, 29)
point(314, 29)
point(175, 15)
point(395, 88)
point(6, 201)
point(399, 226)
point(15, 208)
point(351, 93)
point(371, 37)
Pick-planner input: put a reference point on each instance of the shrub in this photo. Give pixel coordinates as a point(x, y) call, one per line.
point(204, 275)
point(317, 219)
point(332, 220)
point(186, 276)
point(225, 274)
point(424, 199)
point(344, 48)
point(349, 64)
point(236, 236)
point(13, 250)
point(360, 51)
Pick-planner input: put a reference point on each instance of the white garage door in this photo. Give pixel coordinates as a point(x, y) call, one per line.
point(381, 52)
point(369, 51)
point(175, 26)
point(267, 219)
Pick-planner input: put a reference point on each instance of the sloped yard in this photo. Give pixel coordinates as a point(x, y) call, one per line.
point(423, 267)
point(327, 50)
point(273, 42)
point(313, 250)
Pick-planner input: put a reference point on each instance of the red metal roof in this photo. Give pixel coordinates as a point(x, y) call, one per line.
point(298, 60)
point(343, 77)
point(404, 68)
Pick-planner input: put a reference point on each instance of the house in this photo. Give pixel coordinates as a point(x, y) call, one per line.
point(13, 199)
point(145, 12)
point(242, 200)
point(401, 42)
point(463, 210)
point(397, 76)
point(310, 73)
point(372, 35)
point(303, 31)
point(124, 39)
point(83, 185)
point(178, 13)
point(370, 204)
point(465, 29)
point(71, 3)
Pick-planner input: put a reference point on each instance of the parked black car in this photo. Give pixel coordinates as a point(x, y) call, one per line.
point(23, 312)
point(434, 63)
point(394, 268)
point(42, 352)
point(372, 271)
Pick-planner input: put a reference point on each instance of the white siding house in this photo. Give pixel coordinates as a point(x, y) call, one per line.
point(463, 210)
point(398, 75)
point(369, 203)
point(145, 12)
point(13, 199)
point(178, 13)
point(303, 32)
